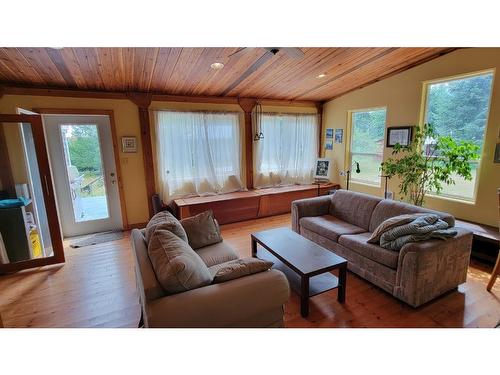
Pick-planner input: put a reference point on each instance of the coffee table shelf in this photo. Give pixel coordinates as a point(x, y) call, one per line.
point(317, 284)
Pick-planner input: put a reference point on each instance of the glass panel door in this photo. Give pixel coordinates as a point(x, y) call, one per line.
point(29, 227)
point(83, 158)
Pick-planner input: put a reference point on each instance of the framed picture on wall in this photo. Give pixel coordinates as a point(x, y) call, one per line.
point(400, 134)
point(329, 145)
point(129, 144)
point(329, 133)
point(339, 135)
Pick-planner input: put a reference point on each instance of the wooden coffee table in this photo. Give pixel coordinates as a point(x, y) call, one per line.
point(306, 264)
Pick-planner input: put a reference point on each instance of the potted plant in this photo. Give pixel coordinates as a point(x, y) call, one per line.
point(429, 162)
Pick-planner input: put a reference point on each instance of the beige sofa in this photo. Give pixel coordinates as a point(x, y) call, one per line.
point(251, 301)
point(416, 274)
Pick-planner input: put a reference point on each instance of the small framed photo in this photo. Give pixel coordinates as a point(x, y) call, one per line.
point(329, 133)
point(322, 169)
point(400, 134)
point(329, 145)
point(497, 153)
point(339, 135)
point(129, 144)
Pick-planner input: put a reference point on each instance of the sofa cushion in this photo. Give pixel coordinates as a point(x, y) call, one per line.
point(357, 243)
point(388, 208)
point(329, 226)
point(202, 230)
point(177, 267)
point(164, 220)
point(217, 253)
point(237, 268)
point(355, 208)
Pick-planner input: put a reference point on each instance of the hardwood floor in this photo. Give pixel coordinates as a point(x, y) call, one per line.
point(96, 288)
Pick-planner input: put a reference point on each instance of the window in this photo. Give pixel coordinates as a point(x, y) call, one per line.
point(459, 108)
point(367, 145)
point(198, 153)
point(288, 151)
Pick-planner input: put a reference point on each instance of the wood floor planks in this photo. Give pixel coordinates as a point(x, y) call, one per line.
point(96, 288)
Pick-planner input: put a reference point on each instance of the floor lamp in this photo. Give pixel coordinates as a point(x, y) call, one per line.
point(348, 172)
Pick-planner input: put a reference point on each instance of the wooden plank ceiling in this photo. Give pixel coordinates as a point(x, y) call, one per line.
point(187, 71)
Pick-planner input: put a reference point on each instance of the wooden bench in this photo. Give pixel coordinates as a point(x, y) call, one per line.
point(252, 204)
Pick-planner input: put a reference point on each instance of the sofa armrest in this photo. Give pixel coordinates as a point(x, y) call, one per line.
point(316, 206)
point(429, 268)
point(249, 301)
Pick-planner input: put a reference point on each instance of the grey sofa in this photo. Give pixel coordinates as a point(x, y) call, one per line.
point(416, 274)
point(251, 301)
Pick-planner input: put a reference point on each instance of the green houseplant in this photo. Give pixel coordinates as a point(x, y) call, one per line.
point(429, 162)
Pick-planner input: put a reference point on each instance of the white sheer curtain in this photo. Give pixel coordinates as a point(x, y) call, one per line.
point(198, 153)
point(288, 151)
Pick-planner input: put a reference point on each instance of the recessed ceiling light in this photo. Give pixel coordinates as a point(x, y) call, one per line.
point(321, 75)
point(217, 66)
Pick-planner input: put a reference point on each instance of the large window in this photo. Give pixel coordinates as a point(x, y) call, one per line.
point(198, 153)
point(287, 153)
point(367, 145)
point(459, 108)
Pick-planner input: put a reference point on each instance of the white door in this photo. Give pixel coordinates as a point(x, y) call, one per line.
point(84, 173)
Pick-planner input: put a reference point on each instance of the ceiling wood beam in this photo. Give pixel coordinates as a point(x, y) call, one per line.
point(39, 91)
point(256, 65)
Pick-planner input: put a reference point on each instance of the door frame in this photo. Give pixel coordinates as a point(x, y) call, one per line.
point(48, 195)
point(104, 112)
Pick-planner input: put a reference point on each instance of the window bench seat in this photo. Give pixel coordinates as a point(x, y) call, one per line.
point(251, 204)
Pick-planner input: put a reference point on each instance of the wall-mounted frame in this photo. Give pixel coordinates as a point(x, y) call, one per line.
point(399, 134)
point(47, 191)
point(129, 144)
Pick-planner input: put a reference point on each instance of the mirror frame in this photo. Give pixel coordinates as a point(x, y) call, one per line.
point(48, 196)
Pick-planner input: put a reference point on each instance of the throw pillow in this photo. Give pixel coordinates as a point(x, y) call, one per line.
point(202, 230)
point(389, 224)
point(164, 220)
point(177, 267)
point(237, 268)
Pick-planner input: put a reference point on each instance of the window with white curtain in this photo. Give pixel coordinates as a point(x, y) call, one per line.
point(198, 153)
point(287, 153)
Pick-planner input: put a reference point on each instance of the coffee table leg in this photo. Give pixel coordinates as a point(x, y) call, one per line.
point(304, 296)
point(342, 283)
point(254, 248)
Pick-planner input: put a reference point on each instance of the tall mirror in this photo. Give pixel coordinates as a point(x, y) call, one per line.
point(29, 227)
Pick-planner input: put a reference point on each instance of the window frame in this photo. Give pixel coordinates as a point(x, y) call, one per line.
point(422, 117)
point(348, 158)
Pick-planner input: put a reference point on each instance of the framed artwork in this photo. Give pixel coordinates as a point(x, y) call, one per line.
point(129, 144)
point(497, 153)
point(329, 145)
point(339, 135)
point(322, 168)
point(329, 133)
point(400, 134)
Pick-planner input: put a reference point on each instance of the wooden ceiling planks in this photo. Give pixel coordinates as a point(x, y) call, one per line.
point(187, 72)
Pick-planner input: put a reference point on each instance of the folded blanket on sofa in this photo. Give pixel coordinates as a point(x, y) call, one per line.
point(420, 229)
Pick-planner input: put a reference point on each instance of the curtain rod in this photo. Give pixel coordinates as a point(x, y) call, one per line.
point(197, 111)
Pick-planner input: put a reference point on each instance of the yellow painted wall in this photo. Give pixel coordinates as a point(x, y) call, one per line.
point(401, 95)
point(127, 124)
